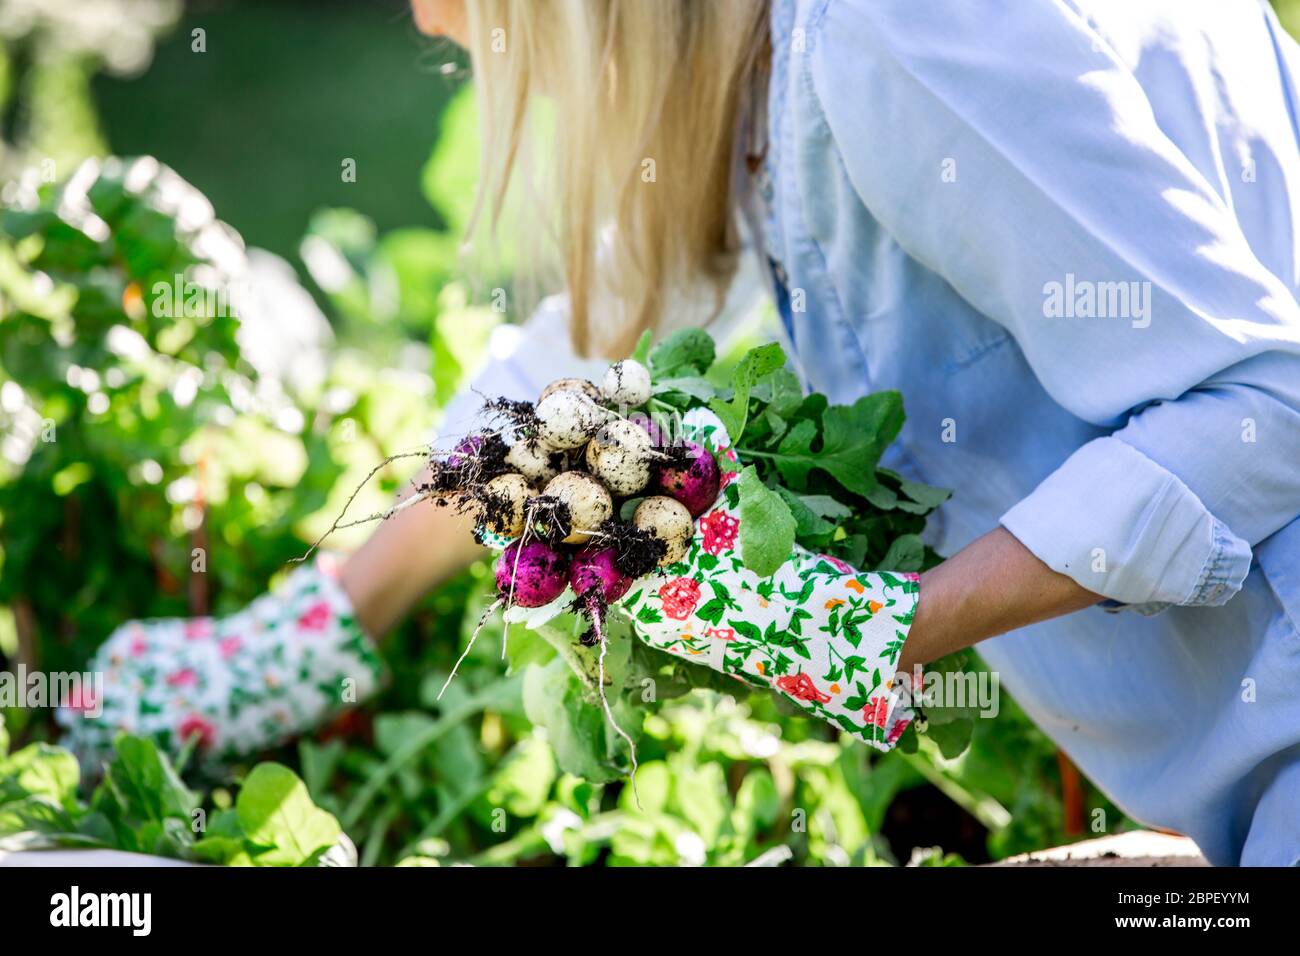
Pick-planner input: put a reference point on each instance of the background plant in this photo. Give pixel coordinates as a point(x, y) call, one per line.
point(175, 434)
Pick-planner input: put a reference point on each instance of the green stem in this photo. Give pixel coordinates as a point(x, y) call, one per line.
point(375, 841)
point(524, 844)
point(445, 817)
point(982, 807)
point(408, 752)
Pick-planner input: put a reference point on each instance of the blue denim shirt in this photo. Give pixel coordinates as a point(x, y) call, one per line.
point(1066, 231)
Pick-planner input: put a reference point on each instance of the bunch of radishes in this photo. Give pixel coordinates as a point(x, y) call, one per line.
point(555, 478)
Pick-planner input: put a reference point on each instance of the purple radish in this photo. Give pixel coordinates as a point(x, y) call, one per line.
point(597, 582)
point(467, 449)
point(594, 574)
point(532, 574)
point(695, 484)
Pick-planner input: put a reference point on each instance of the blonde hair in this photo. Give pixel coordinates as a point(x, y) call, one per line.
point(646, 97)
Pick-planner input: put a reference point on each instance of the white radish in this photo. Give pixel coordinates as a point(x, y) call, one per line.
point(532, 459)
point(669, 521)
point(571, 385)
point(588, 502)
point(567, 419)
point(626, 384)
point(620, 455)
point(503, 503)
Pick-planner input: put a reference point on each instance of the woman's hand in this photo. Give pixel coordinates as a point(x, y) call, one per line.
point(824, 634)
point(238, 684)
point(831, 637)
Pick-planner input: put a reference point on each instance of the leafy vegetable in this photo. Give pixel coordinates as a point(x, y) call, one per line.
point(813, 468)
point(689, 352)
point(767, 528)
point(142, 806)
point(853, 437)
point(756, 364)
point(276, 812)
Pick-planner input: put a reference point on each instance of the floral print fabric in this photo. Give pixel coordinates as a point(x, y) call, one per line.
point(818, 631)
point(238, 684)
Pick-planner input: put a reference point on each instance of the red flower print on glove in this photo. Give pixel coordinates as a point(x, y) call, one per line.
point(315, 617)
point(720, 530)
point(198, 628)
point(196, 726)
point(897, 731)
point(876, 711)
point(186, 677)
point(801, 687)
point(721, 633)
point(679, 597)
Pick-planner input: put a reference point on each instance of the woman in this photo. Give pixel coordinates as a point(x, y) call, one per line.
point(1064, 229)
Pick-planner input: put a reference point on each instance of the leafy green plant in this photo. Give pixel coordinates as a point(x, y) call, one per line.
point(813, 469)
point(142, 806)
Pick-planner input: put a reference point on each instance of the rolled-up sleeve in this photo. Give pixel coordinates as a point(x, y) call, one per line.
point(1007, 148)
point(1125, 527)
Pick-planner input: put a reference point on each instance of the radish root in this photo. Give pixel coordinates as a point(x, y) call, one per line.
point(514, 574)
point(339, 523)
point(470, 646)
point(597, 622)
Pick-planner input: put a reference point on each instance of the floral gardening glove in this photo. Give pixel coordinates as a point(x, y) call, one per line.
point(239, 684)
point(823, 634)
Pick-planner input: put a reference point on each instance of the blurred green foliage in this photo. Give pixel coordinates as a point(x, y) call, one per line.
point(135, 432)
point(290, 89)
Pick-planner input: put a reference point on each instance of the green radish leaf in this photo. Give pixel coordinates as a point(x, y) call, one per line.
point(767, 528)
point(885, 498)
point(795, 457)
point(826, 506)
point(523, 782)
point(757, 363)
point(585, 746)
point(853, 439)
point(909, 742)
point(223, 841)
point(642, 351)
point(777, 425)
point(275, 811)
point(808, 524)
point(937, 714)
point(691, 386)
point(781, 392)
point(952, 738)
point(926, 495)
point(685, 353)
point(906, 553)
